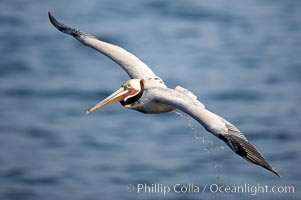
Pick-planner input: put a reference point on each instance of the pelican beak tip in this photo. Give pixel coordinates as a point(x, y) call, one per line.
point(88, 112)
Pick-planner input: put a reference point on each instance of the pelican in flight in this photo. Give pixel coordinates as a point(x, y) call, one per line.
point(147, 93)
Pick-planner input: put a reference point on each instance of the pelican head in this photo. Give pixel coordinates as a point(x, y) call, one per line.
point(130, 92)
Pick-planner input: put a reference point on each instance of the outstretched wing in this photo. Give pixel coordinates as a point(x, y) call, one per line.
point(213, 123)
point(134, 67)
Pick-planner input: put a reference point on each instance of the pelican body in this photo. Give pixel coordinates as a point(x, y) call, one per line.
point(147, 93)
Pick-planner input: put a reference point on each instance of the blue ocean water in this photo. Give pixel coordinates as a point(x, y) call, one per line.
point(241, 58)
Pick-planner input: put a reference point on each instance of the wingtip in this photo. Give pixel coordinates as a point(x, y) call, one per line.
point(269, 167)
point(261, 161)
point(274, 171)
point(246, 150)
point(265, 164)
point(56, 23)
point(51, 18)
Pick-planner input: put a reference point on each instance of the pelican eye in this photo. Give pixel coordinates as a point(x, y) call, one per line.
point(126, 87)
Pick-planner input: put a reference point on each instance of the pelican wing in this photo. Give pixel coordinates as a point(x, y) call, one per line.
point(134, 67)
point(213, 123)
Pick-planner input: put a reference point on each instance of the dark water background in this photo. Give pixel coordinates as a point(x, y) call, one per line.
point(241, 58)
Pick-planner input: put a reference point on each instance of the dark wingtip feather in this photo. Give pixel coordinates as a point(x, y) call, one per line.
point(248, 152)
point(56, 24)
point(274, 171)
point(68, 30)
point(53, 21)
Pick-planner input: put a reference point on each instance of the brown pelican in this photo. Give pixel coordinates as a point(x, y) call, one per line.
point(147, 93)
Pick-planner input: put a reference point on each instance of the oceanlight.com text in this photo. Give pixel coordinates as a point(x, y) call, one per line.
point(159, 188)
